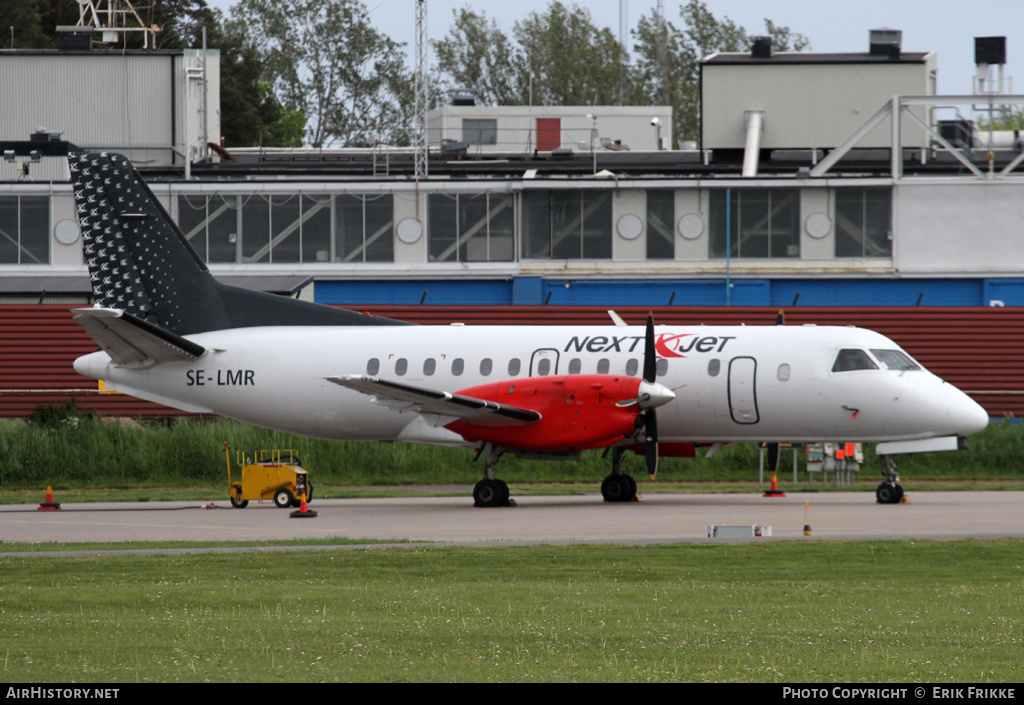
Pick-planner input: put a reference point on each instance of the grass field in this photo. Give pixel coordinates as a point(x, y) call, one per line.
point(901, 611)
point(857, 612)
point(74, 452)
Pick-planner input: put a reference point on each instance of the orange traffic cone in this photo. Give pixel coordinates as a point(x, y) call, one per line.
point(304, 512)
point(49, 504)
point(774, 491)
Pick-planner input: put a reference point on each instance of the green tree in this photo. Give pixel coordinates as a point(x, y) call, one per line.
point(33, 23)
point(325, 61)
point(477, 55)
point(668, 58)
point(251, 115)
point(1006, 117)
point(663, 72)
point(564, 59)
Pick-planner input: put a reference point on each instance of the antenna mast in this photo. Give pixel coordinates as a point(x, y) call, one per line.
point(116, 17)
point(420, 144)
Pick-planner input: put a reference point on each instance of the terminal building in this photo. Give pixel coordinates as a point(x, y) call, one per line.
point(821, 182)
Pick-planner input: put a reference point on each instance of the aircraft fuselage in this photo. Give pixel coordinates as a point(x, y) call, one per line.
point(732, 383)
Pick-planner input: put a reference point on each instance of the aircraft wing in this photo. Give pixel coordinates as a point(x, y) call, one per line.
point(132, 341)
point(406, 397)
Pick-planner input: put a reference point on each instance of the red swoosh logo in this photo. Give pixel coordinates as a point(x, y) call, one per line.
point(661, 345)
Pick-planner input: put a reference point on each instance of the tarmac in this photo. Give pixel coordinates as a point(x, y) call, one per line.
point(582, 519)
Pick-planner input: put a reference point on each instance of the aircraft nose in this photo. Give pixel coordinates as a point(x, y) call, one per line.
point(969, 417)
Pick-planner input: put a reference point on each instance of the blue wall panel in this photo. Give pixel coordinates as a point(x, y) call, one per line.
point(435, 292)
point(535, 291)
point(875, 292)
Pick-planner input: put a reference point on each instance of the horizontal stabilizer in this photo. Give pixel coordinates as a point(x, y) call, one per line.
point(131, 341)
point(405, 397)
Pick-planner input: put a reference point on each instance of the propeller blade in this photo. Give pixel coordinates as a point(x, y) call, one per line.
point(772, 451)
point(651, 442)
point(650, 354)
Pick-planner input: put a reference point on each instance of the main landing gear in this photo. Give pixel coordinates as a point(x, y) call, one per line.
point(618, 487)
point(490, 491)
point(890, 491)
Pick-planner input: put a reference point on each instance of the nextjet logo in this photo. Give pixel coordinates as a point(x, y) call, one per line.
point(666, 344)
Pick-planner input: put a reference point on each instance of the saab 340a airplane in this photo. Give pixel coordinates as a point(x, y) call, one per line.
point(170, 333)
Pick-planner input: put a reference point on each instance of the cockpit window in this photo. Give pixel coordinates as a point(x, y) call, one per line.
point(853, 359)
point(895, 360)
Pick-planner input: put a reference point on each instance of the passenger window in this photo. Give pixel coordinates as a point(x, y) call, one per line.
point(372, 366)
point(662, 367)
point(631, 367)
point(895, 360)
point(401, 366)
point(458, 365)
point(853, 359)
point(784, 372)
point(575, 366)
point(513, 366)
point(429, 366)
point(714, 367)
point(543, 367)
point(602, 366)
point(485, 366)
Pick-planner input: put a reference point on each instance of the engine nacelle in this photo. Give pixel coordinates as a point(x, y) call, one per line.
point(578, 412)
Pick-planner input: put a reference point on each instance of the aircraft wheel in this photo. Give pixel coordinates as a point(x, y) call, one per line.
point(889, 493)
point(616, 488)
point(283, 498)
point(490, 493)
point(632, 487)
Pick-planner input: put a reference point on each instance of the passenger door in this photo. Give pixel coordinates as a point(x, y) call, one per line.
point(544, 362)
point(742, 390)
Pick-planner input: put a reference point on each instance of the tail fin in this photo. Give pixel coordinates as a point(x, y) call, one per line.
point(141, 263)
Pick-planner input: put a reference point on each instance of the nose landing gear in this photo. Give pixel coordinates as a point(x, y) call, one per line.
point(890, 491)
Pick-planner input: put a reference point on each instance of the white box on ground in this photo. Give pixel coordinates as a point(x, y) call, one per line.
point(737, 532)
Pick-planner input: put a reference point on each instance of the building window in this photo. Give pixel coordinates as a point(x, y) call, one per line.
point(470, 227)
point(24, 230)
point(570, 224)
point(364, 228)
point(288, 228)
point(863, 222)
point(761, 223)
point(210, 224)
point(661, 210)
point(479, 131)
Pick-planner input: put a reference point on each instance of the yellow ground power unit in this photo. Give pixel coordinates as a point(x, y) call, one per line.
point(267, 474)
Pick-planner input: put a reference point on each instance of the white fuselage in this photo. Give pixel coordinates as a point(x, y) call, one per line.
point(734, 383)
